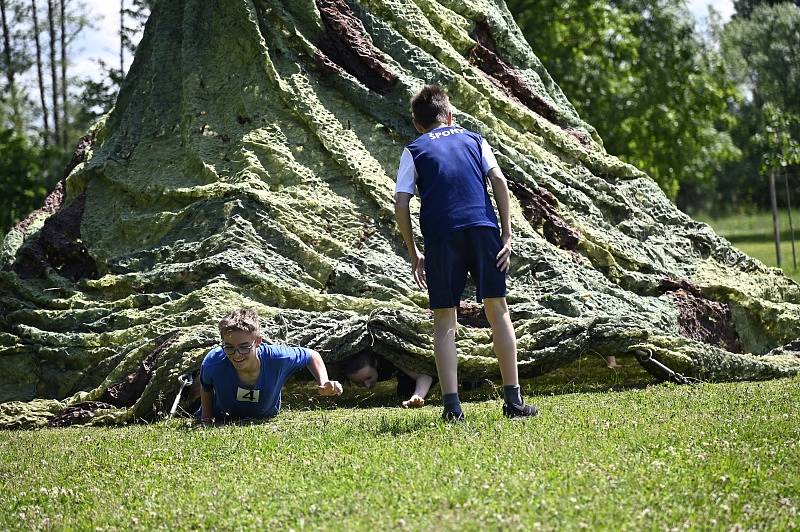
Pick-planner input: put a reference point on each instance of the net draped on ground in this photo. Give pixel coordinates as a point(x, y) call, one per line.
point(250, 160)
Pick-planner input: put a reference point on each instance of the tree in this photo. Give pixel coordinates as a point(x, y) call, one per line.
point(762, 54)
point(131, 23)
point(97, 96)
point(249, 160)
point(16, 59)
point(637, 70)
point(7, 48)
point(51, 22)
point(39, 73)
point(744, 8)
point(64, 104)
point(20, 177)
point(20, 51)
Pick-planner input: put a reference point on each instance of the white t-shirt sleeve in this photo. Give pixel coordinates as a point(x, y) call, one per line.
point(488, 160)
point(406, 174)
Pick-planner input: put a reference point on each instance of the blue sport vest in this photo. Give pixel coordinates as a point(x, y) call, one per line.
point(451, 182)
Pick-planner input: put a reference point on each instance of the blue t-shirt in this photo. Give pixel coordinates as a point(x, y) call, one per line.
point(451, 181)
point(263, 399)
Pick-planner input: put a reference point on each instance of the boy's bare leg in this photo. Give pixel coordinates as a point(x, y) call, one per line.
point(504, 339)
point(444, 348)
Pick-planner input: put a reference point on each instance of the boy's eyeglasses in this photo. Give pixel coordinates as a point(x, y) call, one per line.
point(242, 349)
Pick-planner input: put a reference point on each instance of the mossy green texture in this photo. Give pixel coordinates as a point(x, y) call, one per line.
point(235, 170)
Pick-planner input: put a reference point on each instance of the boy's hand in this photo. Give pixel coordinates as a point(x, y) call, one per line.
point(330, 388)
point(419, 271)
point(415, 402)
point(504, 256)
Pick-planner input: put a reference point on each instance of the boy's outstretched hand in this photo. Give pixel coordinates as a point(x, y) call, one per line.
point(330, 388)
point(415, 402)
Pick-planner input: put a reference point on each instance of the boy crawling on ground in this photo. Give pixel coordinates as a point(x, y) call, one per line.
point(448, 167)
point(242, 378)
point(367, 369)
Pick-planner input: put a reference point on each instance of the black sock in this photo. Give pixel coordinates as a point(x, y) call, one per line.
point(512, 395)
point(451, 403)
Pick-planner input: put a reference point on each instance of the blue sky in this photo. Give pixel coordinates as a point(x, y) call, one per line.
point(699, 8)
point(101, 42)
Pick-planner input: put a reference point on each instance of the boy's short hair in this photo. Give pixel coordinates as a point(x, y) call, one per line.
point(359, 360)
point(430, 105)
point(240, 319)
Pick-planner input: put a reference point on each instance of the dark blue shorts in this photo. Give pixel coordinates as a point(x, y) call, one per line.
point(448, 259)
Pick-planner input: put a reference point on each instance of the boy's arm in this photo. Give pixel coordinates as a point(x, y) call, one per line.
point(206, 405)
point(422, 386)
point(402, 214)
point(503, 199)
point(317, 368)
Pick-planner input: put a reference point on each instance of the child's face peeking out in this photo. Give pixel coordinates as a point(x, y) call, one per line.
point(367, 376)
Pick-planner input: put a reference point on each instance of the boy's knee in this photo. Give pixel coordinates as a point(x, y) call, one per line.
point(444, 317)
point(495, 307)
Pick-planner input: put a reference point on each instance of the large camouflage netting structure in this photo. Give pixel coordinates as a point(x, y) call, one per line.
point(250, 160)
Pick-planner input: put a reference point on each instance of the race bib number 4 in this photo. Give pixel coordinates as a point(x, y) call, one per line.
point(250, 396)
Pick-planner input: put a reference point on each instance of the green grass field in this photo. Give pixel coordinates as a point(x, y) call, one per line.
point(753, 234)
point(624, 456)
point(611, 450)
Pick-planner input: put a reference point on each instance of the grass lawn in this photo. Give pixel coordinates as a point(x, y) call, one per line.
point(753, 234)
point(704, 456)
point(610, 450)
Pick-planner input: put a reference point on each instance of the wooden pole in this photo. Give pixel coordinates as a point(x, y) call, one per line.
point(791, 225)
point(776, 227)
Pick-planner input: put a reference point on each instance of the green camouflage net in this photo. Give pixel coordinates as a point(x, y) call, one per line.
point(250, 161)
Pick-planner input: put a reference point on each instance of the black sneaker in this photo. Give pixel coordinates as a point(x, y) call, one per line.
point(453, 417)
point(512, 411)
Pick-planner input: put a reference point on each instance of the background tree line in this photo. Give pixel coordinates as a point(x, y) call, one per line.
point(708, 114)
point(44, 107)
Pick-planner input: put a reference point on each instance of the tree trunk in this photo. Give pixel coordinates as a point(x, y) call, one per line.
point(121, 39)
point(249, 161)
point(40, 74)
point(7, 55)
point(64, 105)
point(53, 71)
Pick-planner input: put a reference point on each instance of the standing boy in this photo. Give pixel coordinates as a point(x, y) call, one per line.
point(242, 378)
point(448, 166)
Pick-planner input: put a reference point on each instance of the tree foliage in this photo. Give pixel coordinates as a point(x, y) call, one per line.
point(38, 91)
point(744, 8)
point(638, 71)
point(762, 53)
point(20, 177)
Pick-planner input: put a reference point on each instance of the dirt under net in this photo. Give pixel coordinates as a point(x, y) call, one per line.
point(250, 161)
